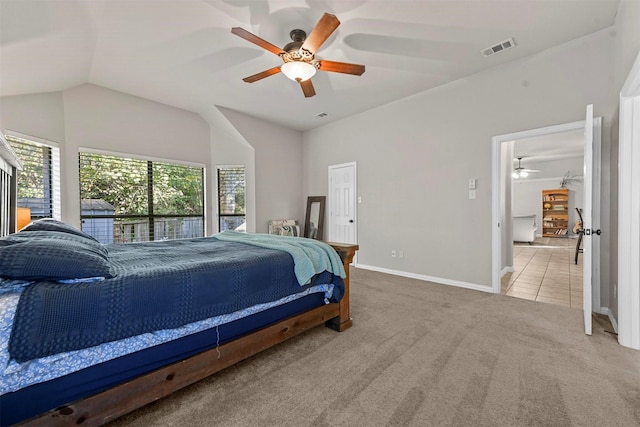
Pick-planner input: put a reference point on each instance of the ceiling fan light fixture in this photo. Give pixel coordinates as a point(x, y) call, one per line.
point(298, 71)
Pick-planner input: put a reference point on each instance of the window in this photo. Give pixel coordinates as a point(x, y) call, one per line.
point(39, 181)
point(134, 200)
point(9, 165)
point(231, 208)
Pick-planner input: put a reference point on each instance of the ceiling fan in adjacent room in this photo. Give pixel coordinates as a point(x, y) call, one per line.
point(521, 172)
point(300, 63)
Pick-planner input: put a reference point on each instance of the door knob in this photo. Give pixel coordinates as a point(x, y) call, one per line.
point(351, 221)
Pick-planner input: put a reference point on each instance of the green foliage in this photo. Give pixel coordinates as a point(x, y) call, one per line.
point(177, 189)
point(231, 190)
point(124, 183)
point(31, 180)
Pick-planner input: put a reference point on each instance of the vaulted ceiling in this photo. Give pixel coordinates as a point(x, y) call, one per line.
point(182, 52)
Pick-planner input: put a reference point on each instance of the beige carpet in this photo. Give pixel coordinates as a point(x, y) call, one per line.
point(423, 354)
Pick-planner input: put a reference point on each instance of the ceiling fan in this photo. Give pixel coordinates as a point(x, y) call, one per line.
point(521, 172)
point(300, 63)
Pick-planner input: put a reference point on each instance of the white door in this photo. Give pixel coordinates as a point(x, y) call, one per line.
point(587, 217)
point(342, 203)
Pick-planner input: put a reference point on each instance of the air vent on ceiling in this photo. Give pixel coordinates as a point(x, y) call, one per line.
point(321, 115)
point(504, 45)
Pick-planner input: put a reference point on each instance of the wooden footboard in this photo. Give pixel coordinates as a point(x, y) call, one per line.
point(343, 321)
point(117, 401)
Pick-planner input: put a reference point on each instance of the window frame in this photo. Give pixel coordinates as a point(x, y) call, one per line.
point(55, 199)
point(150, 216)
point(221, 215)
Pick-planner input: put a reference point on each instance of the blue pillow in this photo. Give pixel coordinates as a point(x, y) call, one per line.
point(50, 224)
point(51, 255)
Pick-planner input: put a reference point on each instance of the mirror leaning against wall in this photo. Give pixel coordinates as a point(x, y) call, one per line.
point(314, 220)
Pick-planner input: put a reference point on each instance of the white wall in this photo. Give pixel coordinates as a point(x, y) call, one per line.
point(416, 155)
point(278, 168)
point(625, 48)
point(95, 117)
point(527, 192)
point(229, 148)
point(40, 115)
point(527, 200)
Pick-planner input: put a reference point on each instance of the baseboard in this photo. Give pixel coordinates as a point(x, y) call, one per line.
point(602, 310)
point(507, 270)
point(440, 280)
point(613, 321)
point(606, 312)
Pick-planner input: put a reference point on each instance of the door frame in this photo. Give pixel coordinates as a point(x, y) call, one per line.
point(497, 196)
point(628, 286)
point(355, 200)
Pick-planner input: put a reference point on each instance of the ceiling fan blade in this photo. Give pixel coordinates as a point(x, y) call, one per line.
point(323, 29)
point(241, 32)
point(262, 75)
point(341, 67)
point(307, 88)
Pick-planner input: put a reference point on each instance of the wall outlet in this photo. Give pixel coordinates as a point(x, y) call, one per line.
point(393, 253)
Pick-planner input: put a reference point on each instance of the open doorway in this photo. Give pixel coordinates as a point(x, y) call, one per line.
point(546, 189)
point(502, 236)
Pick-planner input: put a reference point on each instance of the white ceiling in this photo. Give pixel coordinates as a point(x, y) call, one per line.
point(182, 53)
point(557, 146)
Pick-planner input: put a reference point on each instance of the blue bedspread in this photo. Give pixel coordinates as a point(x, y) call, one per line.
point(157, 285)
point(309, 256)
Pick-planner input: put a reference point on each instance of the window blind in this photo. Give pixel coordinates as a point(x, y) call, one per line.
point(231, 197)
point(39, 180)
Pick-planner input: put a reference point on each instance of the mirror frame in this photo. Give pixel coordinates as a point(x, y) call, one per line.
point(320, 220)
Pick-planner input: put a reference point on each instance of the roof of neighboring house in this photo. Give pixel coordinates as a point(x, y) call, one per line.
point(96, 204)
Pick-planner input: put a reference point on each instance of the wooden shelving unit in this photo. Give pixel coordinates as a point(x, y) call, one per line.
point(555, 213)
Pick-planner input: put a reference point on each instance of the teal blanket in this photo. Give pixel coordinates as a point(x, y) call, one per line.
point(310, 256)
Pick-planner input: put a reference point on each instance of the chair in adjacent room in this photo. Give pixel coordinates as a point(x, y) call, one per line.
point(580, 231)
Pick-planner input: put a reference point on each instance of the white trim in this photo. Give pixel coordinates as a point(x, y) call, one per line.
point(596, 220)
point(629, 211)
point(496, 142)
point(140, 157)
point(551, 178)
point(508, 269)
point(355, 202)
point(216, 205)
point(439, 280)
point(31, 138)
point(56, 167)
point(613, 321)
point(8, 156)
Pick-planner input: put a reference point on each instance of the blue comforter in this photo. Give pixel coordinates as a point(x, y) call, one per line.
point(156, 285)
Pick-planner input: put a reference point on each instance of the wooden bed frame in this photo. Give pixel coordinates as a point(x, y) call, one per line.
point(124, 398)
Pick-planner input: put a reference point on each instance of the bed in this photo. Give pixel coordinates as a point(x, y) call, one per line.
point(97, 331)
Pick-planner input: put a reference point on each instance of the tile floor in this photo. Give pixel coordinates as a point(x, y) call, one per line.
point(546, 272)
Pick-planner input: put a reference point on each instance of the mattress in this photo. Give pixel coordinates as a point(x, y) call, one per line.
point(77, 317)
point(84, 381)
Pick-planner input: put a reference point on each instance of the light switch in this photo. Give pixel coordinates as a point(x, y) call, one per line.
point(472, 183)
point(472, 194)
